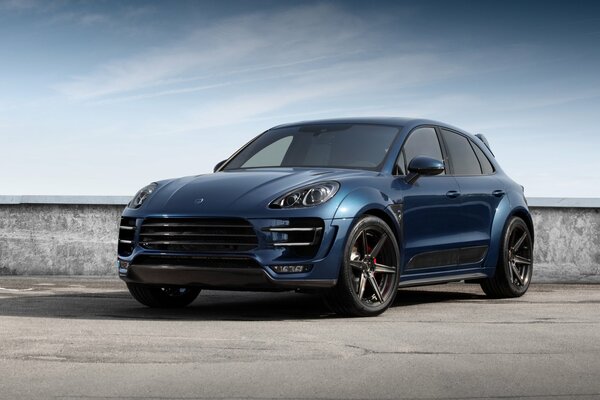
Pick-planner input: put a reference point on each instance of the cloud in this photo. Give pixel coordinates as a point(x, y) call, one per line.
point(253, 40)
point(323, 91)
point(272, 62)
point(267, 63)
point(270, 50)
point(18, 5)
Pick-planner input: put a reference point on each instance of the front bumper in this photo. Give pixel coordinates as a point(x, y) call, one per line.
point(218, 278)
point(248, 270)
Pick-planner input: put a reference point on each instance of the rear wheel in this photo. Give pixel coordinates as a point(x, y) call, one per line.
point(163, 297)
point(515, 266)
point(368, 279)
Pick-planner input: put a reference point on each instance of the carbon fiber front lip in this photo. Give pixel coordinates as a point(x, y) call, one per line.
point(217, 278)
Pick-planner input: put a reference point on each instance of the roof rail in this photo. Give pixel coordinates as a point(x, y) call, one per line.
point(484, 141)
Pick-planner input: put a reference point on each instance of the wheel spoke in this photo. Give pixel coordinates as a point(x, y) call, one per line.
point(361, 286)
point(385, 269)
point(364, 242)
point(379, 245)
point(516, 272)
point(519, 242)
point(356, 264)
point(375, 286)
point(510, 270)
point(522, 260)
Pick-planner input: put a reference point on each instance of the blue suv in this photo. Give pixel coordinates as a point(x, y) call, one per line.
point(353, 208)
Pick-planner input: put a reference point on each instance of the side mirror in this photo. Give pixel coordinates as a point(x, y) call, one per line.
point(422, 165)
point(219, 165)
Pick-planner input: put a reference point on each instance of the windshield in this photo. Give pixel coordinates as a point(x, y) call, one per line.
point(358, 146)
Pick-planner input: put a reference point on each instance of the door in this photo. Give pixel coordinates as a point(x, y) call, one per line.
point(481, 192)
point(431, 208)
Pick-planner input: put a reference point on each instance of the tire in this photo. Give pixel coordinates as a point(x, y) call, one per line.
point(371, 259)
point(515, 264)
point(163, 297)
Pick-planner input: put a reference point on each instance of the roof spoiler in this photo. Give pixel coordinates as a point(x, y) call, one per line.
point(484, 141)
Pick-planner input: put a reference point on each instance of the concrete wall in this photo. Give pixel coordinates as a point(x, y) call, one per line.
point(58, 239)
point(567, 244)
point(78, 236)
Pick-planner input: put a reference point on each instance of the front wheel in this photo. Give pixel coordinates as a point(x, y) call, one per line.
point(163, 297)
point(369, 275)
point(515, 266)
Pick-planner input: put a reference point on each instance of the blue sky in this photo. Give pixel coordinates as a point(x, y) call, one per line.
point(101, 98)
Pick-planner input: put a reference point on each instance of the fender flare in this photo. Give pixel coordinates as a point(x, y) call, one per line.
point(366, 200)
point(503, 214)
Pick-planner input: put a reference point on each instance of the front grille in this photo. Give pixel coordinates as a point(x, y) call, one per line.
point(126, 236)
point(197, 235)
point(196, 261)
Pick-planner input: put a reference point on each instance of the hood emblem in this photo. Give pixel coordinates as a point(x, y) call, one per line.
point(199, 201)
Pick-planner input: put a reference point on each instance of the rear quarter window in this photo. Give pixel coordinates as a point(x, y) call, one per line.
point(461, 154)
point(486, 166)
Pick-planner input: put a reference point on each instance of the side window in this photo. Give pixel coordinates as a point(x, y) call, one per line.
point(486, 165)
point(270, 156)
point(461, 154)
point(421, 142)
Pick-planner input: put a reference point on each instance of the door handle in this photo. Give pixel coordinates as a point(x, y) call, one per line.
point(453, 194)
point(499, 193)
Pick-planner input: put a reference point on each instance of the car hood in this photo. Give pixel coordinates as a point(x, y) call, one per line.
point(245, 193)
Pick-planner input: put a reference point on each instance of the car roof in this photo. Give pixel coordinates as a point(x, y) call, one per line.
point(393, 121)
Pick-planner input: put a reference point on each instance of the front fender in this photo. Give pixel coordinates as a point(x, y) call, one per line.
point(361, 200)
point(366, 200)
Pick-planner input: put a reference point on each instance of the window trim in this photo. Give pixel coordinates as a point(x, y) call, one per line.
point(442, 150)
point(494, 170)
point(471, 143)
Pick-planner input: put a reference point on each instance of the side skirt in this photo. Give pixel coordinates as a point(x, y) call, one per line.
point(441, 279)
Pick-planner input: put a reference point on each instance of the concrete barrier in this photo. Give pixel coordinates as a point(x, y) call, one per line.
point(77, 235)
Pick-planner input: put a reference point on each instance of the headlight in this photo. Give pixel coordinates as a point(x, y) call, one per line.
point(307, 196)
point(142, 195)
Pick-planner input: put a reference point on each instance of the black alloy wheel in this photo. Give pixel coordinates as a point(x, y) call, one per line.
point(369, 276)
point(163, 297)
point(515, 265)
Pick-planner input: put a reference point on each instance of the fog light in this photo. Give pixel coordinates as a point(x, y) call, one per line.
point(291, 269)
point(122, 266)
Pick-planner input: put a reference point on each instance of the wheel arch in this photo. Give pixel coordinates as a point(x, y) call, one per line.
point(370, 201)
point(525, 215)
point(389, 220)
point(503, 215)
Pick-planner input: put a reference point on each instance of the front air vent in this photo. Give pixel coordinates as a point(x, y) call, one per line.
point(196, 261)
point(190, 235)
point(300, 237)
point(126, 236)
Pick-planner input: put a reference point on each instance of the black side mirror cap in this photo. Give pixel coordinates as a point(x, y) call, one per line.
point(219, 165)
point(422, 165)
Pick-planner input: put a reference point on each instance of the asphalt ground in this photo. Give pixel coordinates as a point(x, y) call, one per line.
point(86, 338)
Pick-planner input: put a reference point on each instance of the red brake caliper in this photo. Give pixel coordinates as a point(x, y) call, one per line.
point(369, 252)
